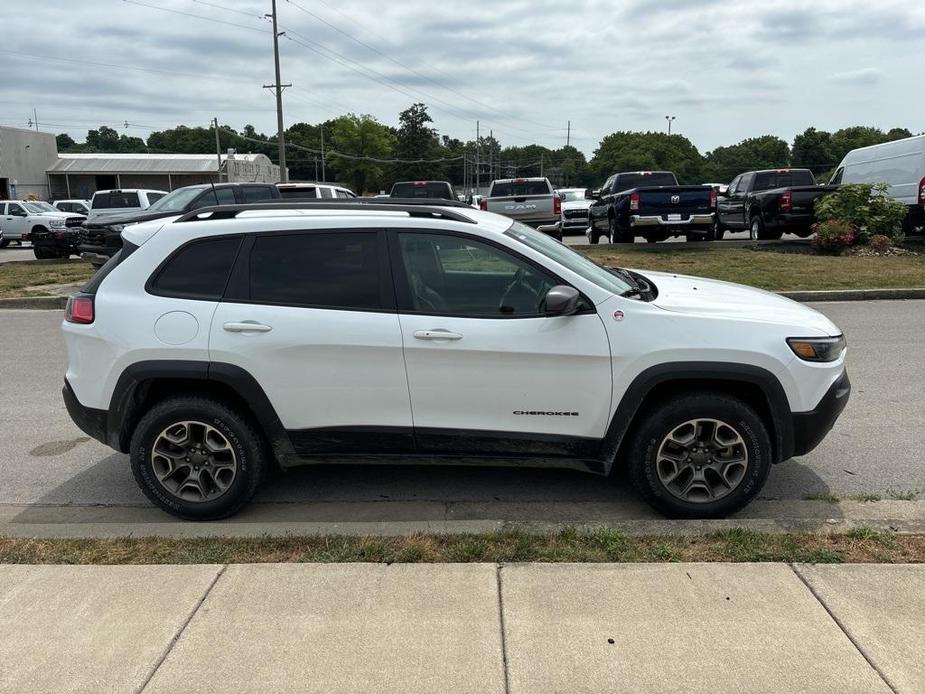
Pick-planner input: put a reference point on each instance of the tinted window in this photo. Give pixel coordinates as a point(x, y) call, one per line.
point(16, 210)
point(154, 197)
point(257, 193)
point(199, 270)
point(782, 179)
point(300, 193)
point(639, 180)
point(337, 270)
point(452, 275)
point(734, 185)
point(115, 200)
point(344, 194)
point(506, 189)
point(212, 197)
point(423, 189)
point(836, 179)
point(326, 192)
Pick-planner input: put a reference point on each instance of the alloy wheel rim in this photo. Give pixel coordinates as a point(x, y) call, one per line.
point(753, 230)
point(702, 460)
point(194, 461)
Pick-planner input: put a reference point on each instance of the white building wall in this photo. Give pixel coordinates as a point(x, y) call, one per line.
point(24, 157)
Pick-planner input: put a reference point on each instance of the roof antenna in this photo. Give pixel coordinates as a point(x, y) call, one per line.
point(214, 194)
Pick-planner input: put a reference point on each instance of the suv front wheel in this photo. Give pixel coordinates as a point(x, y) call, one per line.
point(197, 458)
point(700, 456)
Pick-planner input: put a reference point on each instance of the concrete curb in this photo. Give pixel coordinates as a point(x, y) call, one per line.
point(34, 302)
point(856, 294)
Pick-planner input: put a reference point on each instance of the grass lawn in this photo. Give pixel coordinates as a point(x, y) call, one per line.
point(569, 545)
point(26, 278)
point(770, 270)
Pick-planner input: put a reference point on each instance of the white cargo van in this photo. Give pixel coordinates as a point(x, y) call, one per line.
point(900, 164)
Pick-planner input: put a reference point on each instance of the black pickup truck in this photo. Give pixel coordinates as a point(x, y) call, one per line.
point(102, 237)
point(770, 203)
point(650, 204)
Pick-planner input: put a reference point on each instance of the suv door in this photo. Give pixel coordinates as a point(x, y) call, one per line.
point(16, 221)
point(489, 372)
point(311, 316)
point(724, 204)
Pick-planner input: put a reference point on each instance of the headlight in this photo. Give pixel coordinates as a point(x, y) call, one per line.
point(818, 348)
point(56, 223)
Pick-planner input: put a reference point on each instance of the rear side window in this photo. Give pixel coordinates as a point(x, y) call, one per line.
point(199, 270)
point(326, 192)
point(257, 193)
point(300, 193)
point(333, 270)
point(506, 189)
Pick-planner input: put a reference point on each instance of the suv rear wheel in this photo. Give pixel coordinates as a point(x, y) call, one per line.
point(197, 458)
point(700, 456)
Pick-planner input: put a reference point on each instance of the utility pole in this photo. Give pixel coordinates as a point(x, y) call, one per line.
point(478, 162)
point(568, 134)
point(35, 113)
point(279, 86)
point(324, 177)
point(316, 167)
point(491, 154)
point(541, 164)
point(218, 151)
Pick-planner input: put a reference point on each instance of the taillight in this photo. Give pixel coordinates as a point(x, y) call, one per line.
point(556, 205)
point(79, 310)
point(712, 198)
point(922, 192)
point(483, 205)
point(634, 201)
point(785, 201)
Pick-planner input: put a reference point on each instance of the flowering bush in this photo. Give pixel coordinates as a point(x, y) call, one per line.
point(834, 235)
point(866, 207)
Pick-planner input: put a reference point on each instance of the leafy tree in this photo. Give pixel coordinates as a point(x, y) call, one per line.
point(415, 139)
point(103, 140)
point(812, 149)
point(363, 139)
point(648, 151)
point(65, 143)
point(756, 153)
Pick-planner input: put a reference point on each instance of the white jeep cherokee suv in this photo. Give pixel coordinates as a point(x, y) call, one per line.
point(215, 343)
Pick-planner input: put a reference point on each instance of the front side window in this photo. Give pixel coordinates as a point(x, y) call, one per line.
point(16, 210)
point(215, 196)
point(175, 201)
point(199, 270)
point(39, 207)
point(459, 276)
point(331, 270)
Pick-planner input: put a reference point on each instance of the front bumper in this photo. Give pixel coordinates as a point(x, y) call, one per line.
point(809, 428)
point(90, 421)
point(662, 221)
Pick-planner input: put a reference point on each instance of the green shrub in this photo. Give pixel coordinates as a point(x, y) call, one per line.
point(866, 207)
point(833, 235)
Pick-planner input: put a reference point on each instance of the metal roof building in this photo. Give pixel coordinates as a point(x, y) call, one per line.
point(79, 175)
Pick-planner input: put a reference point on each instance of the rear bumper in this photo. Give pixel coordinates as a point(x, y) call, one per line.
point(789, 221)
point(693, 220)
point(809, 428)
point(89, 420)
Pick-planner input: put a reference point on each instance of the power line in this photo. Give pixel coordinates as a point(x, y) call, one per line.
point(196, 16)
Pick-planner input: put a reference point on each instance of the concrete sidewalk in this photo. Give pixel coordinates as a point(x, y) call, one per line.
point(463, 628)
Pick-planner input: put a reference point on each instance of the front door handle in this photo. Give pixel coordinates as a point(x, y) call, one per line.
point(247, 326)
point(436, 334)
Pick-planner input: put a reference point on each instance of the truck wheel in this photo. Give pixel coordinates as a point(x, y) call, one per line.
point(4, 243)
point(702, 455)
point(618, 234)
point(42, 253)
point(758, 231)
point(197, 458)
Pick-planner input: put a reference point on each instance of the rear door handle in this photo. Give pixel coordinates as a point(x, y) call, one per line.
point(247, 326)
point(436, 334)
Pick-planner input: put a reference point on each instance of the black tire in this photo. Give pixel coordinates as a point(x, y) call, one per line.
point(759, 232)
point(42, 253)
point(4, 243)
point(665, 418)
point(618, 234)
point(240, 434)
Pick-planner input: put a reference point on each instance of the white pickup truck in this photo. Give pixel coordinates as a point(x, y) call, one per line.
point(532, 201)
point(19, 218)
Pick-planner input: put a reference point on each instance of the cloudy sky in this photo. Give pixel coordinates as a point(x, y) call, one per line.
point(726, 69)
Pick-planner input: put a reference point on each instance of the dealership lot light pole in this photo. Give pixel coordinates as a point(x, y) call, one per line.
point(669, 119)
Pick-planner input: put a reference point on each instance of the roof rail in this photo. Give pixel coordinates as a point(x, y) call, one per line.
point(414, 207)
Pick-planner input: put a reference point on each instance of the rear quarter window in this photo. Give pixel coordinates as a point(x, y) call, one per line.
point(198, 270)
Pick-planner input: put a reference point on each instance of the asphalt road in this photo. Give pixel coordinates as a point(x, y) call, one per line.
point(15, 253)
point(876, 447)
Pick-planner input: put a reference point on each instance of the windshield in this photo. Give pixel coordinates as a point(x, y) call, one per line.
point(38, 207)
point(644, 180)
point(423, 189)
point(175, 201)
point(573, 260)
point(573, 195)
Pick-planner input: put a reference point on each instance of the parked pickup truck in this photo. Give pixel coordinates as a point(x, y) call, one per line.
point(22, 220)
point(650, 204)
point(532, 201)
point(770, 203)
point(102, 238)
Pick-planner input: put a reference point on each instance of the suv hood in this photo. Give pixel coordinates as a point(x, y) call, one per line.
point(717, 299)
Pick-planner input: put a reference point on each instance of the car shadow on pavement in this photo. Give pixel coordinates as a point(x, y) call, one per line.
point(106, 492)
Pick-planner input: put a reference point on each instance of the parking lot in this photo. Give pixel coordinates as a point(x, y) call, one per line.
point(51, 473)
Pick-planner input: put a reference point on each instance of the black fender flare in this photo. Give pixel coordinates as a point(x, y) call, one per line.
point(124, 403)
point(782, 433)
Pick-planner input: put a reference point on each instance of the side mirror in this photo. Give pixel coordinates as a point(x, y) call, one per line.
point(592, 194)
point(562, 300)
